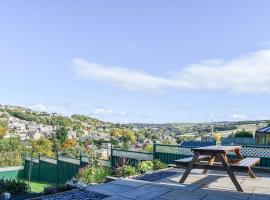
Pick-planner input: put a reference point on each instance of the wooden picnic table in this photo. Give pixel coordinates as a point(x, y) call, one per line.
point(216, 158)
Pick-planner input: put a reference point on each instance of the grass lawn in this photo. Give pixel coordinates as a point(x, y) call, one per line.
point(37, 187)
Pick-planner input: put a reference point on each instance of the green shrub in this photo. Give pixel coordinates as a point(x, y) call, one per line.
point(95, 174)
point(13, 186)
point(127, 170)
point(243, 133)
point(158, 165)
point(56, 189)
point(145, 166)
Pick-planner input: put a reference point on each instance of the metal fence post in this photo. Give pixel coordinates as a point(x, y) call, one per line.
point(80, 159)
point(111, 156)
point(154, 149)
point(39, 166)
point(57, 174)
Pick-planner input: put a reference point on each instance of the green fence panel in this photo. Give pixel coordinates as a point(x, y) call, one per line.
point(48, 172)
point(118, 161)
point(169, 158)
point(34, 172)
point(66, 171)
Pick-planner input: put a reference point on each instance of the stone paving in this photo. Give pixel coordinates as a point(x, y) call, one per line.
point(213, 186)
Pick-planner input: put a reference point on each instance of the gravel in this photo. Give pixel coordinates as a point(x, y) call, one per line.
point(155, 176)
point(74, 195)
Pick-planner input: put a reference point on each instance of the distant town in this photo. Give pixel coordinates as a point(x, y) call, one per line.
point(32, 125)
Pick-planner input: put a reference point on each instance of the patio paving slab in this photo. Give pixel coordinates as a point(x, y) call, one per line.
point(146, 192)
point(130, 183)
point(183, 195)
point(223, 193)
point(214, 186)
point(109, 189)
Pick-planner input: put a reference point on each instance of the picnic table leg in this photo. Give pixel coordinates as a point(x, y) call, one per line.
point(250, 173)
point(239, 156)
point(210, 162)
point(227, 168)
point(186, 173)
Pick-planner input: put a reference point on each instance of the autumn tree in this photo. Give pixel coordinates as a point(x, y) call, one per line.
point(42, 147)
point(70, 143)
point(148, 147)
point(3, 128)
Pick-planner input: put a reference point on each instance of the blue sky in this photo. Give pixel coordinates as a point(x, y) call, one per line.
point(138, 61)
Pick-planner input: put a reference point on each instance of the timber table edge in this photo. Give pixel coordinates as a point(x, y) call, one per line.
point(216, 149)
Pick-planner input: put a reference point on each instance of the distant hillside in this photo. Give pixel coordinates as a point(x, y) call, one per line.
point(52, 119)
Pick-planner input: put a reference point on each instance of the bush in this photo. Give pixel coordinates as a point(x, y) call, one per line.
point(243, 133)
point(158, 165)
point(145, 166)
point(56, 189)
point(95, 174)
point(127, 170)
point(13, 186)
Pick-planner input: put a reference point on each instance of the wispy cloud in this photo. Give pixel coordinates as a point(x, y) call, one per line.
point(107, 112)
point(249, 73)
point(65, 108)
point(237, 117)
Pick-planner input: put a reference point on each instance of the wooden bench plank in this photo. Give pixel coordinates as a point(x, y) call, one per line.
point(188, 160)
point(246, 163)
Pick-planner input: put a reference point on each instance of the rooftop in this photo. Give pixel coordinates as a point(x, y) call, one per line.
point(264, 130)
point(214, 185)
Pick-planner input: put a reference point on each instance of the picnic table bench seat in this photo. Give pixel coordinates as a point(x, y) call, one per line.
point(189, 159)
point(246, 163)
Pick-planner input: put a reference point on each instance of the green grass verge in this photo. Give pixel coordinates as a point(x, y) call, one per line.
point(37, 187)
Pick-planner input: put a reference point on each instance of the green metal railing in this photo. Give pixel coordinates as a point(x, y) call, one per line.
point(168, 153)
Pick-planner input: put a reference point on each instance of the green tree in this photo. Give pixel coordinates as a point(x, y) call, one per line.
point(42, 147)
point(148, 147)
point(243, 133)
point(3, 128)
point(2, 132)
point(62, 135)
point(11, 151)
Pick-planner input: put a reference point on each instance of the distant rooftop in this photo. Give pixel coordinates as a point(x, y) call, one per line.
point(264, 130)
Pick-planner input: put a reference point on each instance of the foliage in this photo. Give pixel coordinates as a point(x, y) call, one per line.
point(125, 135)
point(243, 133)
point(148, 147)
point(3, 128)
point(70, 143)
point(94, 174)
point(13, 186)
point(56, 189)
point(158, 165)
point(145, 166)
point(62, 135)
point(42, 147)
point(127, 170)
point(10, 148)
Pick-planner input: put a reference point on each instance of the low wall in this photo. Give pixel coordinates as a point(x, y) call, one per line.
point(12, 172)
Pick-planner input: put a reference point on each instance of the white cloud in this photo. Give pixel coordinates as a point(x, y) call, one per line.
point(107, 112)
point(237, 117)
point(102, 111)
point(38, 107)
point(65, 108)
point(249, 73)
